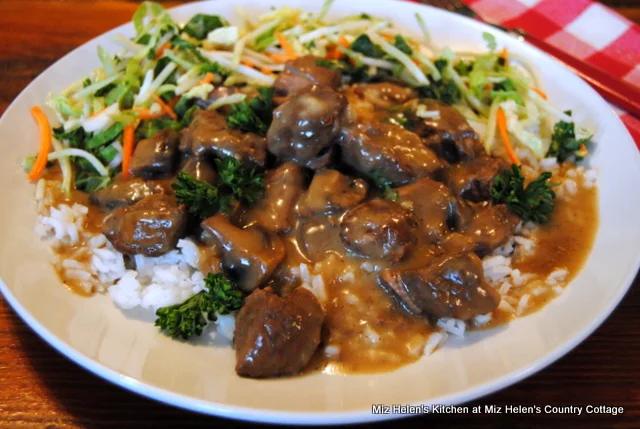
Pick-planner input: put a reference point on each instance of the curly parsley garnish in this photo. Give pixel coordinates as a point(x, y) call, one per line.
point(189, 318)
point(235, 182)
point(253, 116)
point(533, 202)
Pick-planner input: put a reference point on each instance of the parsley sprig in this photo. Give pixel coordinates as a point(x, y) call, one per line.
point(533, 202)
point(235, 182)
point(189, 318)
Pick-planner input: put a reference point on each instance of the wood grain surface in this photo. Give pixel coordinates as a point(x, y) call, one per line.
point(39, 388)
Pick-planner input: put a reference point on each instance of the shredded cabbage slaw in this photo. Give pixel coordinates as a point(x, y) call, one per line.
point(164, 63)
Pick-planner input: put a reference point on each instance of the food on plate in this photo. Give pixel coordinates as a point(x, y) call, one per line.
point(338, 196)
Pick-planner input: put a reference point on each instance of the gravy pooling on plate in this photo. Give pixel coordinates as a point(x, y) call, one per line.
point(346, 221)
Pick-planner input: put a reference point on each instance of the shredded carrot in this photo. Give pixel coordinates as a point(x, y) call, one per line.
point(540, 93)
point(45, 143)
point(128, 141)
point(165, 108)
point(342, 41)
point(279, 58)
point(247, 63)
point(504, 135)
point(504, 53)
point(333, 53)
point(174, 101)
point(146, 114)
point(208, 78)
point(583, 148)
point(266, 70)
point(163, 48)
point(387, 36)
point(286, 45)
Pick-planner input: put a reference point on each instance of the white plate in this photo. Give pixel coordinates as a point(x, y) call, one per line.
point(131, 353)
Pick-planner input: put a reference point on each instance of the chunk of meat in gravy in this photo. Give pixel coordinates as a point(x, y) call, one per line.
point(472, 180)
point(302, 72)
point(209, 134)
point(490, 228)
point(277, 336)
point(449, 134)
point(433, 206)
point(156, 156)
point(305, 126)
point(200, 169)
point(151, 227)
point(331, 191)
point(283, 187)
point(449, 286)
point(370, 102)
point(315, 238)
point(249, 256)
point(389, 151)
point(378, 229)
point(125, 193)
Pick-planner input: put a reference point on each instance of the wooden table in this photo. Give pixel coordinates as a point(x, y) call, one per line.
point(41, 388)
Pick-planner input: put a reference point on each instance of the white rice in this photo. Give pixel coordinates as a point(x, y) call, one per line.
point(174, 277)
point(452, 326)
point(97, 267)
point(332, 351)
point(481, 320)
point(435, 340)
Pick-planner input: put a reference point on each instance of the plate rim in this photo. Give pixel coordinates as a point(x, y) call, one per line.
point(190, 403)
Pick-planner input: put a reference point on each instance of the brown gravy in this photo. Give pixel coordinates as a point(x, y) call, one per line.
point(368, 326)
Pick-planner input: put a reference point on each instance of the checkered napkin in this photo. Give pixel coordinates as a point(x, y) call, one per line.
point(587, 30)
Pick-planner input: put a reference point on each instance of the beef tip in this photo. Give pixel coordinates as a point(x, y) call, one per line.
point(389, 151)
point(156, 156)
point(283, 187)
point(472, 180)
point(304, 127)
point(209, 134)
point(302, 72)
point(449, 134)
point(150, 227)
point(378, 229)
point(457, 242)
point(317, 237)
point(331, 191)
point(372, 101)
point(490, 228)
point(200, 169)
point(277, 336)
point(449, 286)
point(249, 255)
point(433, 206)
point(121, 194)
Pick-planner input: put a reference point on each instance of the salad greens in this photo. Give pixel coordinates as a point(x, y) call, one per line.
point(167, 64)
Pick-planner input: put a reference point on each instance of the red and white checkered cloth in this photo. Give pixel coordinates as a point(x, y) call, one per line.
point(585, 29)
